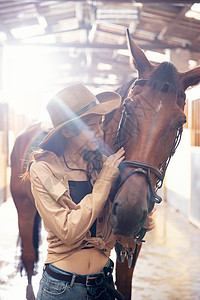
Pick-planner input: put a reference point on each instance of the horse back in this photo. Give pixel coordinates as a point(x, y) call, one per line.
point(19, 159)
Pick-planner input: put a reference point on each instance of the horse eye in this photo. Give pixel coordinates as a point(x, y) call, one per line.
point(165, 87)
point(181, 122)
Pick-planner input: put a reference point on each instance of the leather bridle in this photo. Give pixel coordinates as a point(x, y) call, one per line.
point(144, 168)
point(147, 169)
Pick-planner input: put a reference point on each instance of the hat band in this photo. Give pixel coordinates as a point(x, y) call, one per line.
point(81, 111)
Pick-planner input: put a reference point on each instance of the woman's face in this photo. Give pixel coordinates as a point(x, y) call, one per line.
point(90, 134)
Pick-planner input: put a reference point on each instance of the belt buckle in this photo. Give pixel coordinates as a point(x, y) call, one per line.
point(88, 279)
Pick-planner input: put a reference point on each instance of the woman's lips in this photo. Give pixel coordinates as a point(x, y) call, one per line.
point(95, 142)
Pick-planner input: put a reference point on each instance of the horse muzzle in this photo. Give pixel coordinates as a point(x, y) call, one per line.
point(127, 221)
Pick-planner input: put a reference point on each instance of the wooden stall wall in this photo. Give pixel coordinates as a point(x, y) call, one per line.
point(195, 123)
point(194, 205)
point(178, 178)
point(182, 184)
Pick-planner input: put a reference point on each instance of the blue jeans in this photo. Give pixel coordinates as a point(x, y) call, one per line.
point(51, 288)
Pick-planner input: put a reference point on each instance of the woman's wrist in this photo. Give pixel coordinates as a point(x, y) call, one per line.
point(109, 173)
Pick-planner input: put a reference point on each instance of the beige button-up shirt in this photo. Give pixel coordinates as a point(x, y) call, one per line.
point(68, 225)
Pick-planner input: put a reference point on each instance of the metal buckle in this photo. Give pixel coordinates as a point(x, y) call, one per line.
point(88, 279)
point(99, 279)
point(72, 280)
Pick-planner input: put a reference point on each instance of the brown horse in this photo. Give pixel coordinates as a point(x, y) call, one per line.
point(149, 120)
point(150, 131)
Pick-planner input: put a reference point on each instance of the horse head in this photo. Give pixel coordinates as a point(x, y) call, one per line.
point(150, 130)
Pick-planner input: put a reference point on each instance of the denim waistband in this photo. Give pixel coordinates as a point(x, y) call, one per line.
point(109, 264)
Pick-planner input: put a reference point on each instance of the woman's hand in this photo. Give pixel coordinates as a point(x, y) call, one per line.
point(110, 170)
point(149, 223)
point(115, 159)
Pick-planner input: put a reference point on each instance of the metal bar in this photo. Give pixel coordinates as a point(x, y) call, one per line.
point(156, 45)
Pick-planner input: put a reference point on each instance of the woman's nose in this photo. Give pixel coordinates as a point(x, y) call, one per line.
point(99, 133)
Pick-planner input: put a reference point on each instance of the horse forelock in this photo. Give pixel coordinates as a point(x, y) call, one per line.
point(165, 78)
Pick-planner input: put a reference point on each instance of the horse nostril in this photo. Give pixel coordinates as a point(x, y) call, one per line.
point(114, 208)
point(143, 218)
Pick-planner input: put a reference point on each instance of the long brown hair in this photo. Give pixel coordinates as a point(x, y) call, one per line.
point(57, 145)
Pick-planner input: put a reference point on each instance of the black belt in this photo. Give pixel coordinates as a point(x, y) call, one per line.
point(88, 281)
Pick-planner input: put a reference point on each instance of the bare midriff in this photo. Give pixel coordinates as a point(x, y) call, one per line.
point(84, 261)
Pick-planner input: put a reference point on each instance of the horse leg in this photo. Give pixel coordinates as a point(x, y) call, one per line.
point(26, 218)
point(124, 277)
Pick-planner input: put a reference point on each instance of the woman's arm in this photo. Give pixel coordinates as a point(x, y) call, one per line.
point(68, 221)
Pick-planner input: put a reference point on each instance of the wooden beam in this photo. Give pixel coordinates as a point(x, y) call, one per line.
point(150, 45)
point(174, 23)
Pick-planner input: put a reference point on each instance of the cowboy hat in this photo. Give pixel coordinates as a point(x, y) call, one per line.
point(74, 102)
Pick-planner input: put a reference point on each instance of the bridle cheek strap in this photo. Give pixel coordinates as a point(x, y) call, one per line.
point(143, 169)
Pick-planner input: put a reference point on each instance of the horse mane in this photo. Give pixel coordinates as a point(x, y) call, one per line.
point(122, 90)
point(166, 79)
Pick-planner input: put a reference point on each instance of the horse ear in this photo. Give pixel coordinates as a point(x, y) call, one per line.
point(140, 61)
point(190, 78)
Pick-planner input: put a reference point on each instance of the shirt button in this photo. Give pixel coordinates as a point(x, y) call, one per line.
point(100, 219)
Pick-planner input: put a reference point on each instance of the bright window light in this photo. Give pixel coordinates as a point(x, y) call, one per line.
point(104, 67)
point(192, 64)
point(45, 39)
point(66, 67)
point(196, 7)
point(124, 52)
point(28, 73)
point(42, 21)
point(194, 12)
point(155, 56)
point(100, 80)
point(193, 15)
point(27, 31)
point(3, 36)
point(112, 77)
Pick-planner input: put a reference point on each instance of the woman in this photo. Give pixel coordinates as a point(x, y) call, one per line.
point(71, 181)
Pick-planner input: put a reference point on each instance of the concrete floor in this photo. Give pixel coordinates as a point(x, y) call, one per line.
point(168, 267)
point(169, 263)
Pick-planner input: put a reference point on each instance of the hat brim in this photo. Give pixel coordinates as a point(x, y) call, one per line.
point(108, 101)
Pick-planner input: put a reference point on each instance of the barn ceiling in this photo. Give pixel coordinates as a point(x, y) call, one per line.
point(88, 38)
